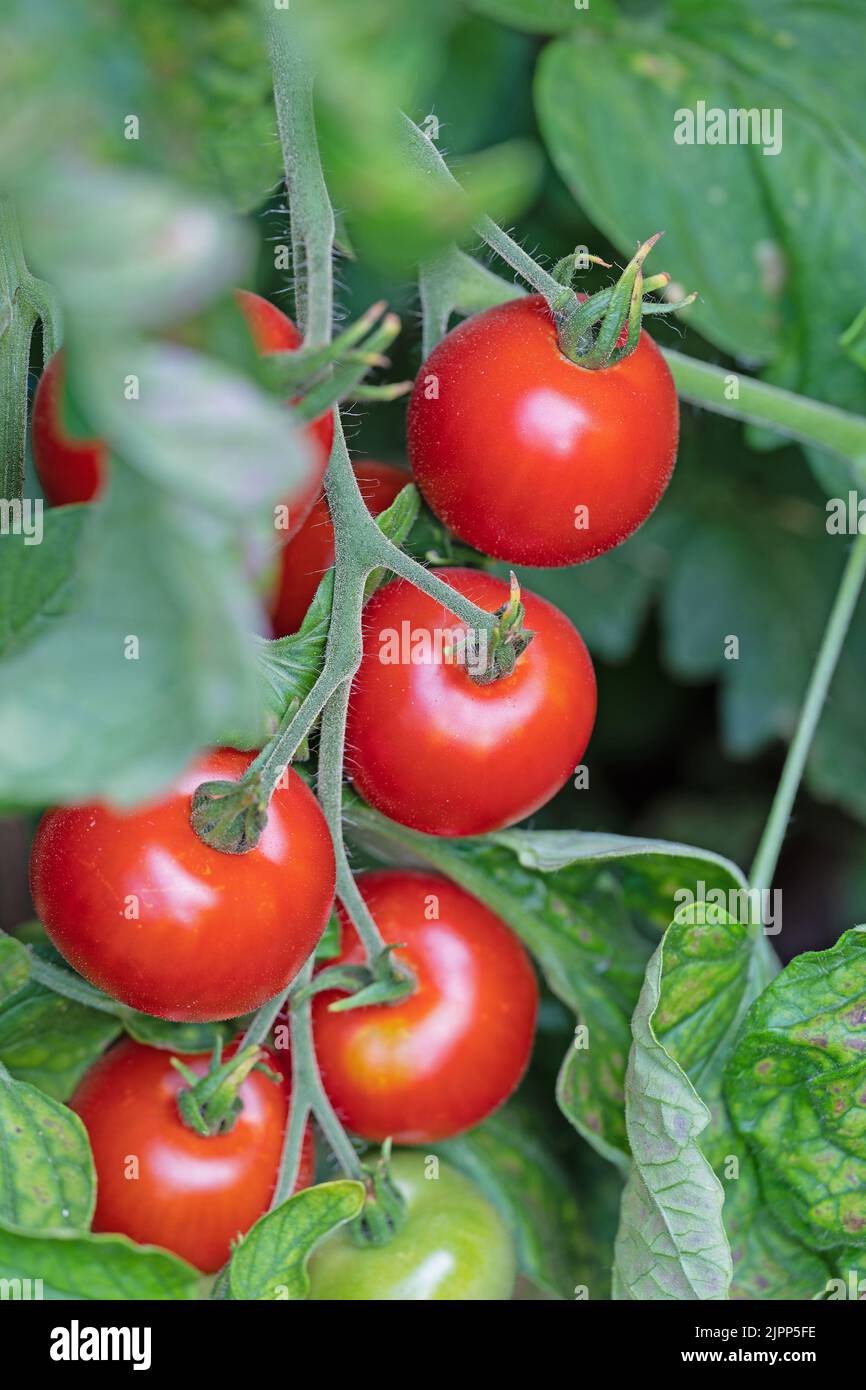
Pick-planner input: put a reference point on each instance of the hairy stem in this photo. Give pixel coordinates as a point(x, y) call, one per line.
point(310, 208)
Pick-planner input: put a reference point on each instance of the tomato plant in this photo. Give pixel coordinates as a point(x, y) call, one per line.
point(381, 872)
point(434, 1064)
point(433, 748)
point(145, 910)
point(530, 457)
point(158, 1181)
point(454, 1245)
point(305, 559)
point(73, 470)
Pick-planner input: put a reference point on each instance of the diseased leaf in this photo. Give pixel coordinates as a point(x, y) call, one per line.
point(47, 1180)
point(796, 1085)
point(50, 1041)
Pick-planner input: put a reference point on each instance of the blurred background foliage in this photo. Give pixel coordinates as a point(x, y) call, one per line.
point(559, 121)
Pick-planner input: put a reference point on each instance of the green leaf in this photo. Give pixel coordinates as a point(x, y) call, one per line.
point(585, 906)
point(220, 95)
point(739, 223)
point(174, 1037)
point(330, 941)
point(47, 1179)
point(510, 1158)
point(50, 1041)
point(853, 340)
point(151, 661)
point(36, 581)
point(271, 1260)
point(769, 1263)
point(712, 970)
point(795, 1086)
point(68, 1265)
point(129, 248)
point(536, 16)
point(671, 1243)
point(14, 966)
point(205, 433)
point(847, 1275)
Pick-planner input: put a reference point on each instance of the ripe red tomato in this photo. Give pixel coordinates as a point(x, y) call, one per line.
point(159, 1182)
point(440, 1061)
point(306, 558)
point(146, 911)
point(517, 438)
point(73, 470)
point(69, 469)
point(432, 749)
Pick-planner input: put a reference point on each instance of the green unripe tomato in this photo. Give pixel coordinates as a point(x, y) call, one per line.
point(452, 1245)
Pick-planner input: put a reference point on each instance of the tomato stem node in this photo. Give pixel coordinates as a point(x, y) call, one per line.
point(385, 1209)
point(230, 816)
point(508, 640)
point(210, 1104)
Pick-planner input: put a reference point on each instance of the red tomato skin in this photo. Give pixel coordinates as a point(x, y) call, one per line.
point(306, 558)
point(193, 1194)
point(216, 934)
point(74, 470)
point(519, 437)
point(69, 469)
point(440, 1061)
point(433, 750)
point(273, 331)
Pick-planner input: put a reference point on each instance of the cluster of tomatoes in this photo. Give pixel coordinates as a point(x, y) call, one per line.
point(531, 459)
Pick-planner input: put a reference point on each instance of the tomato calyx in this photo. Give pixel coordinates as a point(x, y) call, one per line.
point(230, 816)
point(600, 330)
point(383, 981)
point(319, 377)
point(211, 1104)
point(498, 652)
point(384, 1209)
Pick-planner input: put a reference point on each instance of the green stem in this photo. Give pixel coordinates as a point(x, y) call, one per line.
point(330, 790)
point(767, 856)
point(310, 208)
point(17, 321)
point(24, 301)
point(360, 548)
point(264, 1019)
point(529, 270)
point(798, 417)
point(308, 1095)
